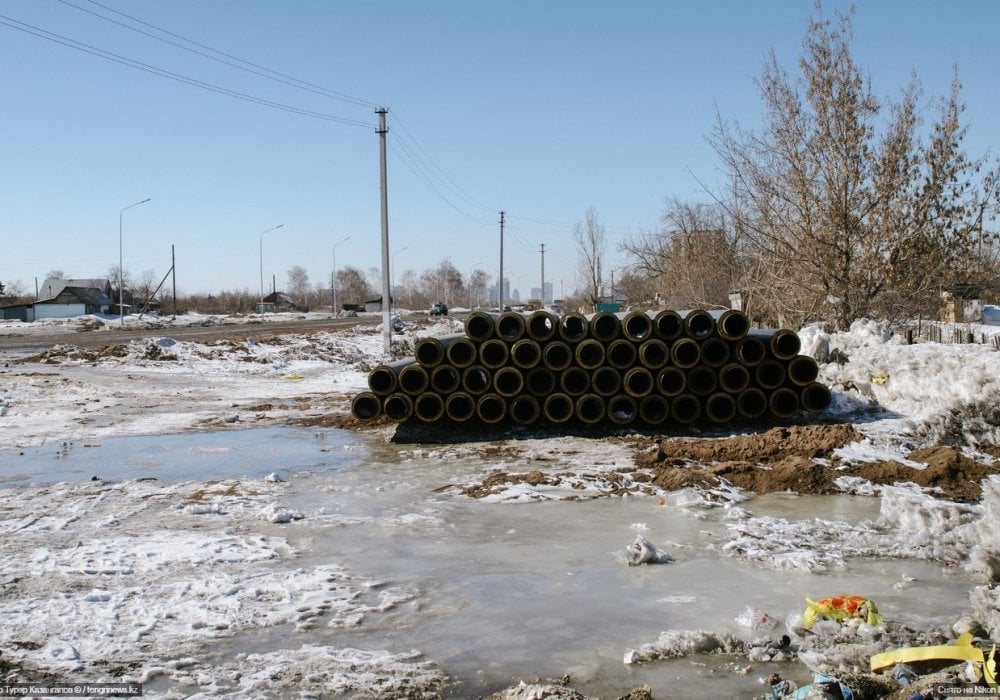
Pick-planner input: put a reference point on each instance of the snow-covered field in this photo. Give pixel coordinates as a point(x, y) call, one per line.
point(213, 587)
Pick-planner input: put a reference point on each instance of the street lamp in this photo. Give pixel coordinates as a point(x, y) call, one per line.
point(333, 283)
point(274, 228)
point(121, 260)
point(392, 275)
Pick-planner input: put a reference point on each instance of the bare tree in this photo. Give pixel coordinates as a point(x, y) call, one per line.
point(299, 288)
point(590, 241)
point(694, 260)
point(352, 286)
point(845, 210)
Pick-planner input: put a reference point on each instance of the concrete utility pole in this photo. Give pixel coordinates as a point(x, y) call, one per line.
point(383, 188)
point(542, 251)
point(500, 282)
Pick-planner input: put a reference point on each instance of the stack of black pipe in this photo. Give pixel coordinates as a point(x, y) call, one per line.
point(657, 369)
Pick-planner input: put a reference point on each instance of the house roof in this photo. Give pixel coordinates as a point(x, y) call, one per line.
point(86, 295)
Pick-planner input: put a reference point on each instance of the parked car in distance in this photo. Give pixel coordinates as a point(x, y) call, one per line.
point(439, 309)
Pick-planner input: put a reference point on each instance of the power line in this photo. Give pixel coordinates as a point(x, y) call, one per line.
point(254, 68)
point(177, 77)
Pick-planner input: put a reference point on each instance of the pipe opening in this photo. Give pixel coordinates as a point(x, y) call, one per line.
point(783, 402)
point(366, 407)
point(542, 325)
point(605, 326)
point(461, 352)
point(476, 380)
point(638, 382)
point(750, 351)
point(685, 408)
point(751, 403)
point(606, 381)
point(558, 408)
point(429, 352)
point(382, 380)
point(590, 354)
point(428, 407)
point(699, 324)
point(540, 381)
point(398, 407)
point(621, 354)
point(654, 353)
point(637, 326)
point(413, 379)
point(701, 380)
point(668, 325)
point(573, 327)
point(685, 353)
point(526, 353)
point(816, 397)
point(715, 352)
point(575, 381)
point(524, 410)
point(770, 374)
point(480, 326)
point(494, 353)
point(720, 408)
point(460, 407)
point(510, 326)
point(557, 355)
point(785, 344)
point(590, 408)
point(508, 381)
point(621, 409)
point(445, 379)
point(654, 409)
point(802, 370)
point(491, 408)
point(734, 378)
point(671, 381)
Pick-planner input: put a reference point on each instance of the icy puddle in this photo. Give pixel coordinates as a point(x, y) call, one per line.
point(358, 573)
point(183, 457)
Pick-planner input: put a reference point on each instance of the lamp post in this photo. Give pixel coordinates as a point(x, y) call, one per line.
point(121, 260)
point(333, 282)
point(273, 228)
point(392, 275)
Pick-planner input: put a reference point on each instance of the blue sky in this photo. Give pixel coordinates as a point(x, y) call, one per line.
point(542, 109)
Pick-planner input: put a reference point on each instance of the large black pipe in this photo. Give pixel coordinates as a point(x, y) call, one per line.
point(654, 353)
point(590, 353)
point(525, 353)
point(480, 326)
point(637, 326)
point(508, 381)
point(670, 381)
point(383, 380)
point(510, 326)
point(605, 326)
point(750, 351)
point(621, 353)
point(685, 353)
point(720, 408)
point(557, 355)
point(802, 370)
point(540, 381)
point(769, 374)
point(430, 352)
point(734, 378)
point(494, 353)
point(698, 323)
point(714, 352)
point(445, 379)
point(542, 325)
point(366, 406)
point(476, 380)
point(654, 409)
point(731, 324)
point(460, 406)
point(461, 352)
point(685, 408)
point(414, 379)
point(782, 343)
point(558, 408)
point(668, 325)
point(701, 380)
point(621, 409)
point(638, 382)
point(397, 407)
point(589, 408)
point(524, 409)
point(751, 403)
point(605, 381)
point(491, 408)
point(574, 381)
point(783, 402)
point(573, 327)
point(815, 397)
point(428, 407)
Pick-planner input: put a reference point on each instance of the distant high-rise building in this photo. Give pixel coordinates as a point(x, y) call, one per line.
point(547, 297)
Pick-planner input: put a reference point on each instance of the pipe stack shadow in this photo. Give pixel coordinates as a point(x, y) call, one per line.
point(657, 369)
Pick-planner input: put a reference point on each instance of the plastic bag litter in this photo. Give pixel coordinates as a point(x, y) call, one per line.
point(756, 619)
